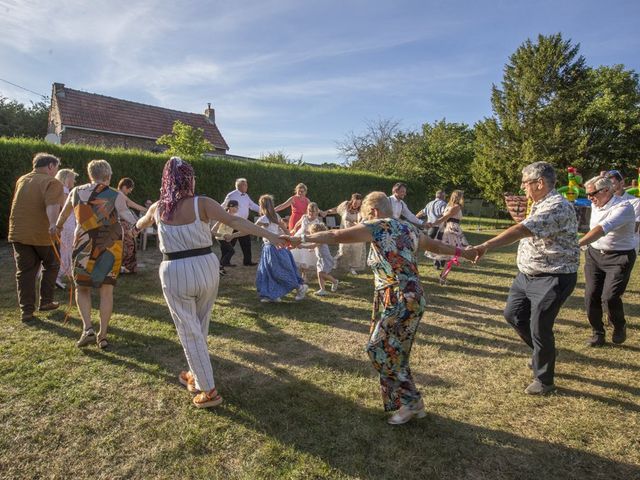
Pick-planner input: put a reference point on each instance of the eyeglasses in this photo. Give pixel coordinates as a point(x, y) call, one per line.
point(594, 193)
point(528, 182)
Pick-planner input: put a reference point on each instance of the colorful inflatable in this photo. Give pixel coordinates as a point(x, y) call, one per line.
point(634, 190)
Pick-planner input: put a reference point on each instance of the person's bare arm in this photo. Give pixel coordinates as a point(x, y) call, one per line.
point(356, 234)
point(62, 217)
point(447, 215)
point(436, 246)
point(285, 204)
point(591, 236)
point(214, 212)
point(148, 219)
point(135, 206)
point(509, 236)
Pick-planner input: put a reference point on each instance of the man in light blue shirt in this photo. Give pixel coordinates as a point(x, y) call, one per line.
point(433, 211)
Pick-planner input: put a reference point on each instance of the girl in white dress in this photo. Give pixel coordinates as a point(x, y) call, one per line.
point(351, 256)
point(452, 231)
point(304, 255)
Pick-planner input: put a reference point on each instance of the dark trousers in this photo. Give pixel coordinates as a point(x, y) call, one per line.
point(227, 251)
point(29, 259)
point(245, 245)
point(532, 307)
point(436, 234)
point(606, 276)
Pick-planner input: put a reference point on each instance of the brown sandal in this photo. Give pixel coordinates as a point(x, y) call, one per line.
point(207, 399)
point(186, 378)
point(102, 343)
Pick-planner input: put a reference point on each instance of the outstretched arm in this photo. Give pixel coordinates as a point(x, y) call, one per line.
point(356, 234)
point(148, 219)
point(592, 235)
point(509, 236)
point(436, 246)
point(284, 205)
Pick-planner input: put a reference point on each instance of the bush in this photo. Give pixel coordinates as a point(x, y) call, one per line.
point(215, 176)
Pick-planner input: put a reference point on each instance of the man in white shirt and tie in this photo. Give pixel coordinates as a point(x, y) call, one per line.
point(400, 208)
point(244, 205)
point(609, 258)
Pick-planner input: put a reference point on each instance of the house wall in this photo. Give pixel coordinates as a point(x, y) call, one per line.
point(99, 139)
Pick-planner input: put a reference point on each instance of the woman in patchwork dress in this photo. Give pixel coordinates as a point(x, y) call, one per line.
point(399, 301)
point(97, 246)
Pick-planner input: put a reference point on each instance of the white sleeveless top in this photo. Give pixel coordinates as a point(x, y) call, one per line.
point(176, 238)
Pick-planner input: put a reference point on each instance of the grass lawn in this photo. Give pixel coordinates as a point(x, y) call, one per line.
point(301, 399)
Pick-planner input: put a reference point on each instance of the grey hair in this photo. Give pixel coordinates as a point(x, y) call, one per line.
point(99, 170)
point(240, 180)
point(543, 170)
point(65, 173)
point(439, 193)
point(599, 183)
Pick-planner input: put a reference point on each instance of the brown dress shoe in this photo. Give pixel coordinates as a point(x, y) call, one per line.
point(49, 306)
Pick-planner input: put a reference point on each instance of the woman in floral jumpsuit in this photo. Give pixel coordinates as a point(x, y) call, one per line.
point(398, 299)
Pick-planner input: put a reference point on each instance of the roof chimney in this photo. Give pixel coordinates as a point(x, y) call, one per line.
point(210, 113)
point(58, 89)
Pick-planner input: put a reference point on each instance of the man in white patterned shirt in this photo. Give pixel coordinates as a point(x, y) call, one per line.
point(244, 205)
point(548, 260)
point(609, 258)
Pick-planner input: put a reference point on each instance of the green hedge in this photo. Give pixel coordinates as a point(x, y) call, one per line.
point(214, 177)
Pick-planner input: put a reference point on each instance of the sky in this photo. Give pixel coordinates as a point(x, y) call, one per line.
point(298, 76)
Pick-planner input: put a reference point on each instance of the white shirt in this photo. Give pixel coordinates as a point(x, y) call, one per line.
point(244, 203)
point(635, 203)
point(618, 220)
point(400, 209)
point(267, 224)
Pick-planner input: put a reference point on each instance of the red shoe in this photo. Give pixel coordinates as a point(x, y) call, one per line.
point(207, 399)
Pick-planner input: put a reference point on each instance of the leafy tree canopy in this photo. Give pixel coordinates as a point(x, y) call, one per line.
point(18, 120)
point(185, 141)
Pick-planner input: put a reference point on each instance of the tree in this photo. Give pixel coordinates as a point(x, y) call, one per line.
point(280, 157)
point(536, 114)
point(373, 149)
point(610, 121)
point(18, 120)
point(185, 141)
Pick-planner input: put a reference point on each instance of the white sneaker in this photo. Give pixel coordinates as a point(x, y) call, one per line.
point(269, 300)
point(353, 271)
point(302, 291)
point(322, 293)
point(334, 286)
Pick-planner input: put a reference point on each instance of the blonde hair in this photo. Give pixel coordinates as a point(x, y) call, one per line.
point(267, 209)
point(312, 207)
point(302, 186)
point(456, 198)
point(379, 201)
point(317, 227)
point(65, 173)
point(99, 170)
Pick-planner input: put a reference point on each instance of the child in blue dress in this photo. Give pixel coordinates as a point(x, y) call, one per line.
point(277, 271)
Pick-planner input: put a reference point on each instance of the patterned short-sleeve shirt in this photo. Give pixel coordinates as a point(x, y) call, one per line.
point(553, 248)
point(393, 254)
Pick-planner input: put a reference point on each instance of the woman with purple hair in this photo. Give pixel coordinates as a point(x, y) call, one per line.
point(189, 272)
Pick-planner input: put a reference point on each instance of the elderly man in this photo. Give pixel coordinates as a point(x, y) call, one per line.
point(617, 181)
point(609, 258)
point(244, 205)
point(548, 259)
point(400, 209)
point(36, 203)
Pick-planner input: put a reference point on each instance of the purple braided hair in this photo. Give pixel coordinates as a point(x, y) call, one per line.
point(177, 183)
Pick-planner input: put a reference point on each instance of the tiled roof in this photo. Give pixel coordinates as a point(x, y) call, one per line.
point(99, 112)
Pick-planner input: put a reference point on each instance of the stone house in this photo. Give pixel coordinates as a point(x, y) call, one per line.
point(92, 119)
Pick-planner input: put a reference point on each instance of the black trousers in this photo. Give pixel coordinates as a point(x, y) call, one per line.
point(606, 276)
point(532, 308)
point(436, 234)
point(29, 259)
point(227, 251)
point(245, 245)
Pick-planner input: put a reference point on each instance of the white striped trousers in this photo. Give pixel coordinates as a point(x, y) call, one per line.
point(190, 287)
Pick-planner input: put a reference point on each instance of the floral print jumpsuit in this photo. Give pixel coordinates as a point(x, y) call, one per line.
point(400, 303)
